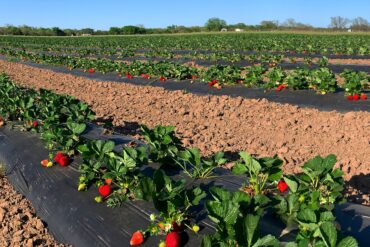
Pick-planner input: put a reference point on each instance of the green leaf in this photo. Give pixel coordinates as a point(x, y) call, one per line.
point(307, 215)
point(206, 241)
point(246, 230)
point(222, 211)
point(147, 188)
point(327, 216)
point(329, 162)
point(108, 147)
point(78, 128)
point(329, 233)
point(267, 241)
point(293, 185)
point(314, 164)
point(291, 244)
point(348, 242)
point(83, 148)
point(239, 169)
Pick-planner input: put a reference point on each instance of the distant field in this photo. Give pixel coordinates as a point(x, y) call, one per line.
point(278, 42)
point(324, 62)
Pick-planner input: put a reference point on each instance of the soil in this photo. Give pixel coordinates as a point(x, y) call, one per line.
point(214, 123)
point(18, 224)
point(336, 61)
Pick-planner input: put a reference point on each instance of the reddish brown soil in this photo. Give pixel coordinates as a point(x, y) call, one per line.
point(18, 224)
point(215, 123)
point(346, 61)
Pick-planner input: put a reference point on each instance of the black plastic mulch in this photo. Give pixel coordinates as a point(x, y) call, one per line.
point(74, 218)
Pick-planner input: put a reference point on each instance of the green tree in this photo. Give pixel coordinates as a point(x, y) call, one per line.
point(133, 30)
point(215, 24)
point(115, 30)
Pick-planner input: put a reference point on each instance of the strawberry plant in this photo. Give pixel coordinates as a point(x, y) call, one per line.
point(297, 79)
point(320, 184)
point(322, 80)
point(275, 77)
point(163, 143)
point(354, 81)
point(323, 62)
point(254, 75)
point(317, 229)
point(120, 171)
point(223, 74)
point(173, 201)
point(194, 166)
point(259, 172)
point(236, 223)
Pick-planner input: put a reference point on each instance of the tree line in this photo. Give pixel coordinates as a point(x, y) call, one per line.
point(337, 23)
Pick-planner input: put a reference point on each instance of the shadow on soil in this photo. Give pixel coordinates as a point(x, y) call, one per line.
point(361, 183)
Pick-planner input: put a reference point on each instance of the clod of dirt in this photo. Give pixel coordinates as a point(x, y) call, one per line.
point(18, 224)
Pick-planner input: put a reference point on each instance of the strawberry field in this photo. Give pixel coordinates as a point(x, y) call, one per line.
point(269, 61)
point(164, 191)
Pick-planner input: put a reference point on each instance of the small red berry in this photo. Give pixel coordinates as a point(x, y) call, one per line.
point(35, 124)
point(105, 190)
point(173, 239)
point(363, 96)
point(350, 97)
point(356, 97)
point(282, 186)
point(137, 238)
point(64, 160)
point(91, 71)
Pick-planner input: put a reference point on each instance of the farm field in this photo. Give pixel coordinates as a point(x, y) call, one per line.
point(300, 99)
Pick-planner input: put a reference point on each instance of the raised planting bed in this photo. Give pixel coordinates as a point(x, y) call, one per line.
point(303, 98)
point(161, 189)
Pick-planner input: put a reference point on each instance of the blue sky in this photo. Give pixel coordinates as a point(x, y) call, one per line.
point(102, 14)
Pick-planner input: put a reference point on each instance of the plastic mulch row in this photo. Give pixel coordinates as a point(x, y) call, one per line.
point(74, 218)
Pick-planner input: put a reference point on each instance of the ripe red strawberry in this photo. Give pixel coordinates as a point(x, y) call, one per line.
point(35, 124)
point(279, 88)
point(63, 160)
point(363, 96)
point(105, 190)
point(145, 76)
point(212, 83)
point(173, 239)
point(129, 76)
point(356, 97)
point(282, 186)
point(350, 97)
point(137, 238)
point(162, 78)
point(91, 71)
point(58, 156)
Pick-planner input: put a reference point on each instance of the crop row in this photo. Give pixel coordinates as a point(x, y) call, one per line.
point(267, 42)
point(322, 80)
point(303, 202)
point(230, 57)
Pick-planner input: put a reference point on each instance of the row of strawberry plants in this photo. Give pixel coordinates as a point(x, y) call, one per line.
point(304, 202)
point(268, 42)
point(269, 59)
point(321, 80)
